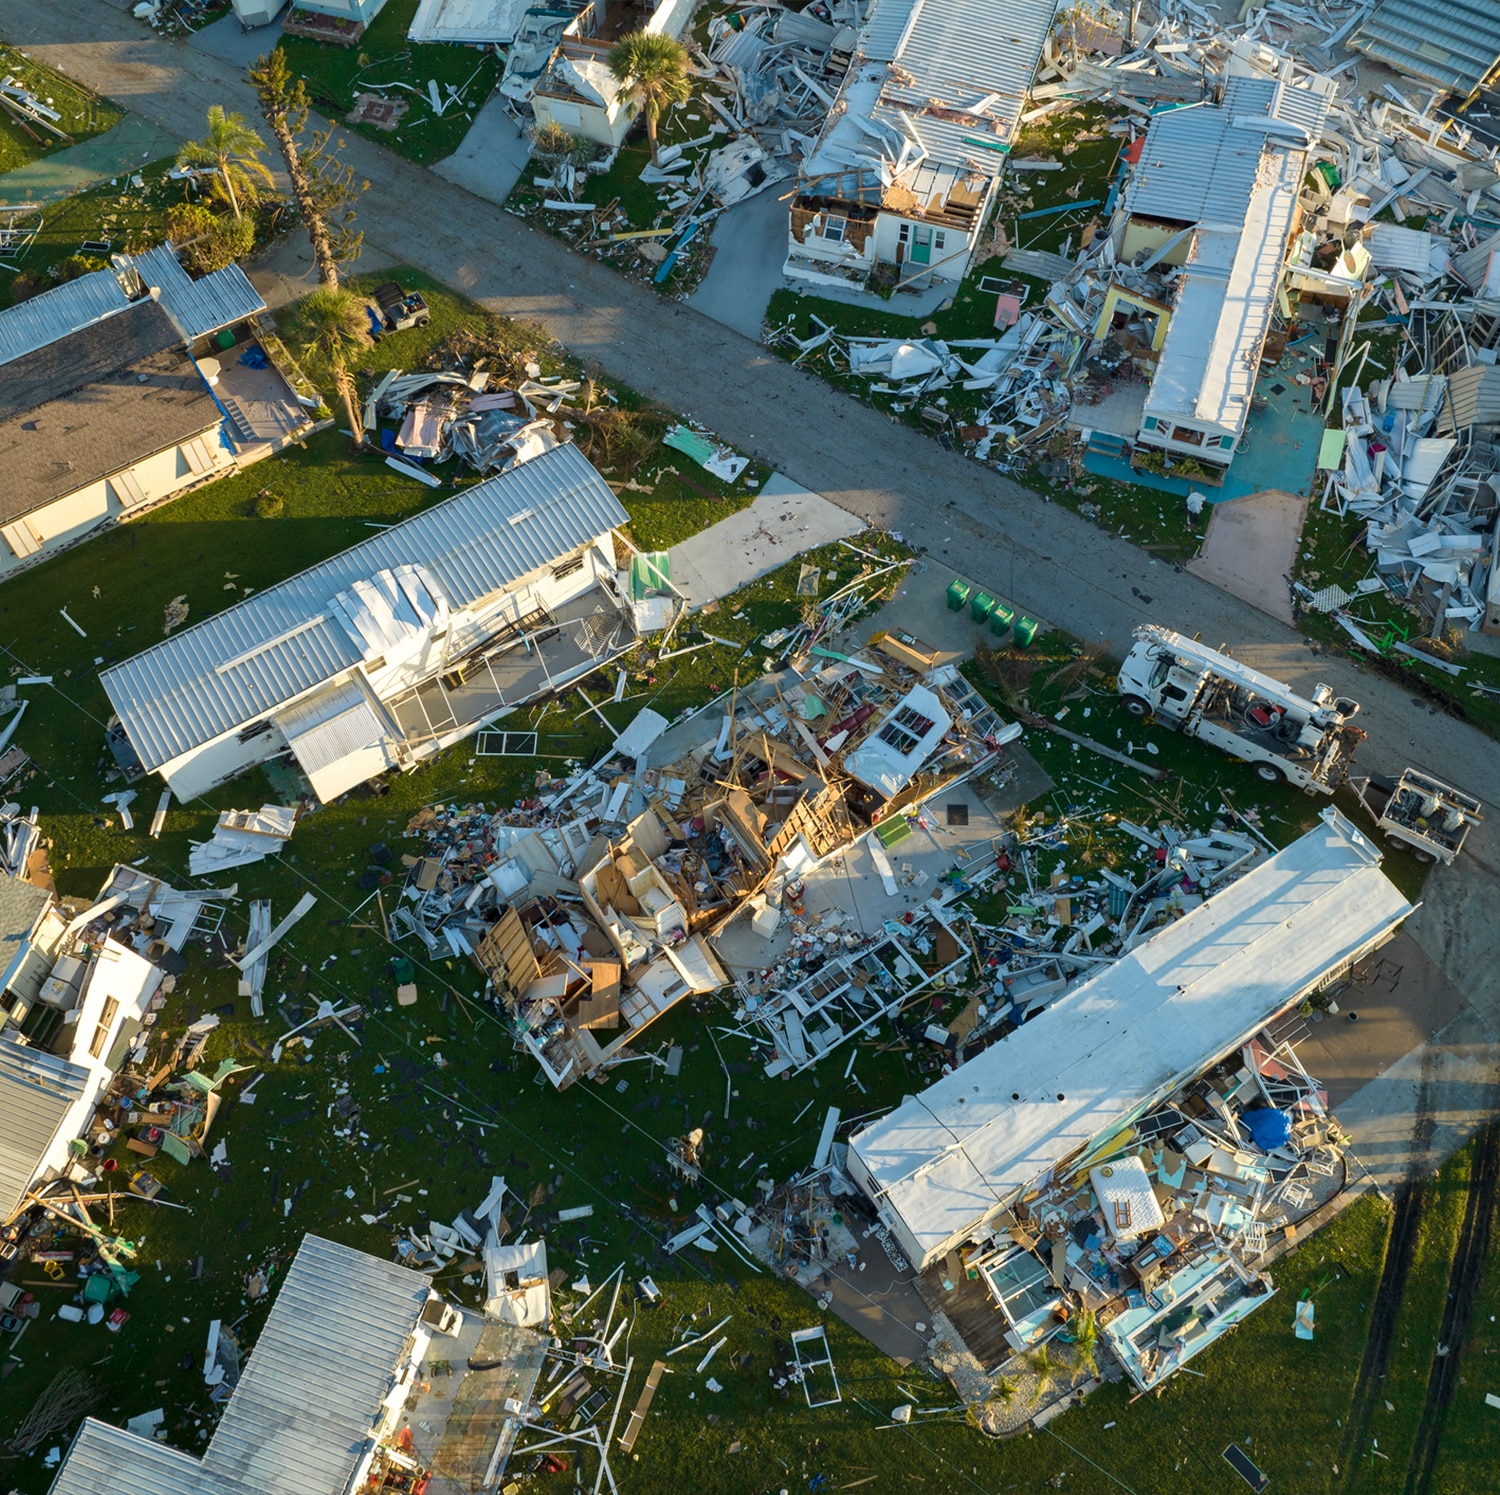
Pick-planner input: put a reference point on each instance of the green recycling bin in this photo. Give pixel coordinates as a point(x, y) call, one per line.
point(981, 604)
point(1001, 617)
point(1025, 631)
point(958, 594)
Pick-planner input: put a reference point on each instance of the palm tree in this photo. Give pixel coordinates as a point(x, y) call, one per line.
point(655, 69)
point(334, 327)
point(1085, 1329)
point(232, 150)
point(284, 102)
point(1040, 1363)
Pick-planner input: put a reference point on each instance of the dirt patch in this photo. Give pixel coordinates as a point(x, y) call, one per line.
point(379, 113)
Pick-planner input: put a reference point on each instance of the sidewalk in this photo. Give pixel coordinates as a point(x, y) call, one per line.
point(132, 144)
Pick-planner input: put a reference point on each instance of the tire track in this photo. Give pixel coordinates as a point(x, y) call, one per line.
point(1405, 1228)
point(1463, 1287)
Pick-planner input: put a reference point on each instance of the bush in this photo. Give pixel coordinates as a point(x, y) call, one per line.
point(207, 240)
point(76, 265)
point(268, 505)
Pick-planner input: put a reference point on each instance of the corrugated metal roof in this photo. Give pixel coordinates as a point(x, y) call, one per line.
point(1472, 266)
point(37, 1090)
point(960, 55)
point(299, 1420)
point(105, 1458)
point(1393, 247)
point(311, 1392)
point(43, 319)
point(199, 307)
point(264, 653)
point(1475, 395)
point(1455, 43)
point(1196, 990)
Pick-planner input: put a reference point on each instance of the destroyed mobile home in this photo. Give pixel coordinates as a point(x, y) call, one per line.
point(1137, 1149)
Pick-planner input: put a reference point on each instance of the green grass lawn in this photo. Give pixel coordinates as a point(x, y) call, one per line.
point(130, 218)
point(336, 75)
point(446, 1127)
point(84, 113)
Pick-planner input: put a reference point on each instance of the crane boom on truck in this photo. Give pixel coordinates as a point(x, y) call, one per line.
point(1204, 693)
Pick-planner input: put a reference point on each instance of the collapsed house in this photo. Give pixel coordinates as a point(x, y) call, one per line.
point(121, 392)
point(1084, 1151)
point(381, 657)
point(72, 1012)
point(905, 170)
point(332, 1396)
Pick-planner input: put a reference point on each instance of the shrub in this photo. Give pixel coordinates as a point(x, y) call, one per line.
point(207, 241)
point(268, 505)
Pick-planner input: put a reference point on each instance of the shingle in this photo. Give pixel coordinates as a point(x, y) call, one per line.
point(94, 403)
point(268, 651)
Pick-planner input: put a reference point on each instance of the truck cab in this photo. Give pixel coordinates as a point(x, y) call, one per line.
point(1203, 692)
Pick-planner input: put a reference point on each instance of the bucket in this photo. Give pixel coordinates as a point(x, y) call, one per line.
point(71, 1312)
point(109, 1165)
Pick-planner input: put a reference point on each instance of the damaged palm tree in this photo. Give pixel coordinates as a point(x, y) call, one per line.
point(333, 323)
point(232, 151)
point(324, 188)
point(67, 1399)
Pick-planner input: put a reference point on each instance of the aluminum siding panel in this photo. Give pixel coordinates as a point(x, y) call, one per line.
point(177, 695)
point(313, 1385)
point(1452, 42)
point(36, 1092)
point(199, 307)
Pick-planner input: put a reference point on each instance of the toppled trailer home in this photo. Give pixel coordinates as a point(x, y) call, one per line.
point(383, 656)
point(1141, 1141)
point(905, 170)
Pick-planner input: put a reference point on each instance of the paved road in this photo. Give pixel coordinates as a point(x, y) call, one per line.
point(1051, 563)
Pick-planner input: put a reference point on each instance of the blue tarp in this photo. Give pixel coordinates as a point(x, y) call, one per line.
point(1268, 1129)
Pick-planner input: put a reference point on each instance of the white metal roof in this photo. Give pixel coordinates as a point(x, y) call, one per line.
point(1121, 1041)
point(313, 1386)
point(106, 1458)
point(266, 652)
point(196, 307)
point(200, 306)
point(300, 1419)
point(37, 1090)
point(948, 78)
point(1223, 169)
point(1454, 43)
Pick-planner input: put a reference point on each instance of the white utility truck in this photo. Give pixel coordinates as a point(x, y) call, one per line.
point(1212, 696)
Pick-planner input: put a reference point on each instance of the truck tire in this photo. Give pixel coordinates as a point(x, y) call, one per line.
point(1268, 773)
point(1136, 705)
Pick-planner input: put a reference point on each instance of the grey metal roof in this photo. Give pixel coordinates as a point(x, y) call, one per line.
point(1455, 43)
point(105, 1458)
point(266, 652)
point(198, 307)
point(34, 323)
point(202, 306)
point(299, 1419)
point(1472, 266)
point(1198, 166)
point(37, 1090)
point(961, 55)
point(1475, 393)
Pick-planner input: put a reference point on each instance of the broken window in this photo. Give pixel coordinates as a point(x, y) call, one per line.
point(101, 1032)
point(568, 568)
point(905, 730)
point(1187, 435)
point(834, 229)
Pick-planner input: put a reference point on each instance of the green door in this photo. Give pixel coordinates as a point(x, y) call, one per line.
point(921, 245)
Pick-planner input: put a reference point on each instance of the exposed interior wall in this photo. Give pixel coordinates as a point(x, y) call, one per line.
point(670, 17)
point(609, 126)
